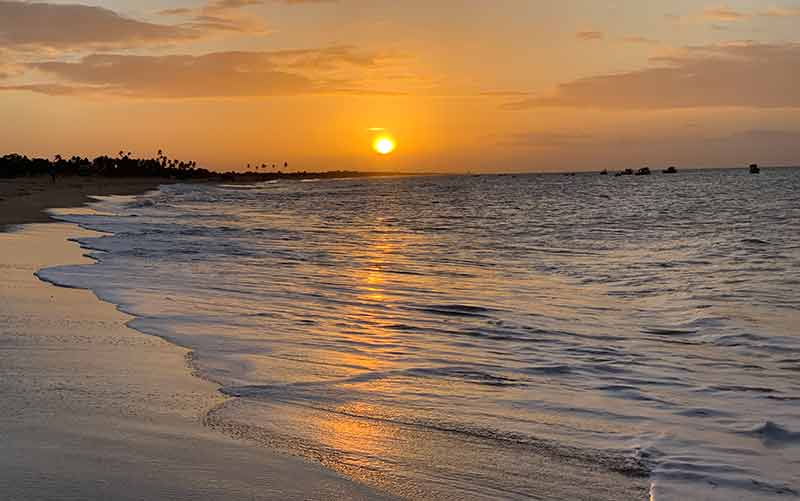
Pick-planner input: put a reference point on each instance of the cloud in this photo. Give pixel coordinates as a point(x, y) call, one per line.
point(220, 15)
point(26, 25)
point(505, 93)
point(180, 11)
point(781, 12)
point(52, 89)
point(7, 71)
point(713, 15)
point(220, 74)
point(8, 68)
point(736, 75)
point(217, 7)
point(724, 14)
point(242, 24)
point(728, 15)
point(589, 35)
point(639, 40)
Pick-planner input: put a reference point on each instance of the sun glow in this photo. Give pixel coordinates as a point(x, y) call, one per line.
point(384, 145)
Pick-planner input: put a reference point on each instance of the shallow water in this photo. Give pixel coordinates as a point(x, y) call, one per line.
point(435, 335)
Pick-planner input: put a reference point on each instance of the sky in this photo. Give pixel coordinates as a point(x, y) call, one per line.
point(461, 85)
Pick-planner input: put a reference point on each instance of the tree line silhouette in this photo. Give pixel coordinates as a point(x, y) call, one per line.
point(125, 165)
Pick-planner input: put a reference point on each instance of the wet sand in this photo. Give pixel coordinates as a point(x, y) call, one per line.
point(94, 410)
point(26, 199)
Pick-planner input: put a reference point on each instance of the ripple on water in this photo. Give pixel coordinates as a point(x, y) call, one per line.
point(509, 317)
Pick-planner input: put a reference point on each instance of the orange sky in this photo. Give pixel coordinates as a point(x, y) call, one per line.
point(467, 85)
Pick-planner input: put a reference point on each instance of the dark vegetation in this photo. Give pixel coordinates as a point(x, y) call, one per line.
point(124, 165)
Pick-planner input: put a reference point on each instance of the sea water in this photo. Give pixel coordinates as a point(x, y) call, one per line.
point(432, 335)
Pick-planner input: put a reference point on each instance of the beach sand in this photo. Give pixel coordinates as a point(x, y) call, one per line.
point(25, 199)
point(94, 410)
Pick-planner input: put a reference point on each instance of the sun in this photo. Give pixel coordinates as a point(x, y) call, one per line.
point(384, 145)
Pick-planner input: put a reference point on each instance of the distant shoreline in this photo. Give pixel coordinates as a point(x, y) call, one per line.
point(124, 165)
point(26, 196)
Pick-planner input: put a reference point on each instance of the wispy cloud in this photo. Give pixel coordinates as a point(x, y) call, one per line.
point(8, 68)
point(221, 74)
point(179, 11)
point(505, 93)
point(723, 15)
point(589, 35)
point(781, 12)
point(226, 15)
point(27, 26)
point(739, 75)
point(635, 39)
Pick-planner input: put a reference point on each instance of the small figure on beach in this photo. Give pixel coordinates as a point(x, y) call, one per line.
point(755, 169)
point(53, 174)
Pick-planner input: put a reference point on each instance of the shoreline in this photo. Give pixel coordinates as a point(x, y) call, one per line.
point(26, 200)
point(187, 416)
point(95, 409)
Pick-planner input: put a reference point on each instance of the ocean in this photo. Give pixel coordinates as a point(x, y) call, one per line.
point(436, 337)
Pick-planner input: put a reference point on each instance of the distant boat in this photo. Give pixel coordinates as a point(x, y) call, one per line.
point(626, 172)
point(755, 169)
point(644, 171)
point(670, 170)
point(604, 173)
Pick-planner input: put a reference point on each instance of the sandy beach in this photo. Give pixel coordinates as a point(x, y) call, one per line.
point(26, 199)
point(94, 410)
